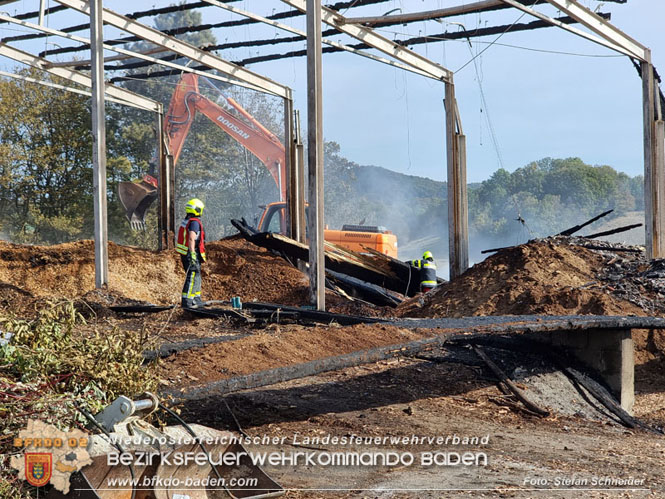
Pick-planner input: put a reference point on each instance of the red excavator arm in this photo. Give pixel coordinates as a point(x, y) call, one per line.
point(186, 101)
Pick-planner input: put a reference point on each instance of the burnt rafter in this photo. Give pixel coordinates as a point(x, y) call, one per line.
point(326, 50)
point(185, 29)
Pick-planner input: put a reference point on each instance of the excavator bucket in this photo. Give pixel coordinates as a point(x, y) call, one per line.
point(136, 197)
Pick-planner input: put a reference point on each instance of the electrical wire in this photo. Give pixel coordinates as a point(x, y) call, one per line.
point(490, 125)
point(509, 45)
point(495, 40)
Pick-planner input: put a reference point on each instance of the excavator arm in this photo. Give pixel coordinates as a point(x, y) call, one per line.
point(186, 101)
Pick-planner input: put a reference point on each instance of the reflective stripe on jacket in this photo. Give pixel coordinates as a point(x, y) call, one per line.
point(181, 243)
point(426, 272)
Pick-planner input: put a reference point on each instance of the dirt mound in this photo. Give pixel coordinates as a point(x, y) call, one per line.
point(542, 277)
point(234, 268)
point(277, 346)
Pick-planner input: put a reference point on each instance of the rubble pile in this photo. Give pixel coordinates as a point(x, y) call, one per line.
point(553, 276)
point(636, 280)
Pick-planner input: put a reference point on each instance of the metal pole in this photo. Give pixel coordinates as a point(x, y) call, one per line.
point(315, 155)
point(458, 231)
point(299, 192)
point(654, 170)
point(42, 8)
point(164, 191)
point(289, 148)
point(99, 144)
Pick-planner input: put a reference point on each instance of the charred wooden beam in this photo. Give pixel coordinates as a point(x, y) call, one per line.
point(508, 383)
point(610, 248)
point(363, 291)
point(494, 250)
point(254, 312)
point(576, 228)
point(613, 231)
point(314, 367)
point(409, 42)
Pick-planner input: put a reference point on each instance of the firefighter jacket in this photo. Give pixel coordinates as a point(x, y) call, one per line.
point(181, 243)
point(426, 272)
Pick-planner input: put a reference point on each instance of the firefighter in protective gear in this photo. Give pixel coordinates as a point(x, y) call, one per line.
point(190, 243)
point(426, 271)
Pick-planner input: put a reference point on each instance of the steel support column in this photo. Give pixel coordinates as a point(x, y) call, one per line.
point(297, 184)
point(166, 211)
point(300, 168)
point(99, 144)
point(315, 155)
point(654, 169)
point(290, 162)
point(458, 225)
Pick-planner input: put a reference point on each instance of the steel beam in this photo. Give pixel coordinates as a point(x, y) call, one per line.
point(296, 191)
point(327, 41)
point(122, 95)
point(458, 225)
point(42, 9)
point(457, 10)
point(182, 48)
point(576, 31)
point(377, 41)
point(125, 53)
point(289, 148)
point(654, 169)
point(99, 145)
point(601, 27)
point(315, 155)
point(63, 87)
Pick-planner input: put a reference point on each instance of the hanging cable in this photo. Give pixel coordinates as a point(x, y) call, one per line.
point(495, 40)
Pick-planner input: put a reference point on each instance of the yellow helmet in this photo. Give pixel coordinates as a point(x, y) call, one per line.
point(195, 207)
point(428, 255)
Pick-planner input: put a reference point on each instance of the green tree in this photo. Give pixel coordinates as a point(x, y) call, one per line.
point(45, 154)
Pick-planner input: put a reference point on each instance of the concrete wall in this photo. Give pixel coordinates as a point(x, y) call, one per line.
point(608, 351)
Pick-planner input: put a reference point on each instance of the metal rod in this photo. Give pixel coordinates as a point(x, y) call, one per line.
point(99, 145)
point(164, 194)
point(430, 14)
point(315, 155)
point(42, 8)
point(653, 192)
point(291, 176)
point(300, 183)
point(458, 229)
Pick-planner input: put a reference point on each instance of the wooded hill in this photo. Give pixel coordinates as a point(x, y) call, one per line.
point(539, 199)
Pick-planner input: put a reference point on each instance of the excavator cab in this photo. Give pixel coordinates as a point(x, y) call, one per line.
point(273, 218)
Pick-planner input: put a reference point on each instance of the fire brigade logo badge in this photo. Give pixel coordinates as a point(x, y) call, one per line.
point(38, 468)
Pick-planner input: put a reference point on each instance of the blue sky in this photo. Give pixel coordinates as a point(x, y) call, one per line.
point(540, 103)
point(547, 92)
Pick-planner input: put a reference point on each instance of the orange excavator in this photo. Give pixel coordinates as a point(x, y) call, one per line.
point(186, 101)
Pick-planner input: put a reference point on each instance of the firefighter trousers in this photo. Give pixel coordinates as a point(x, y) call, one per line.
point(191, 290)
